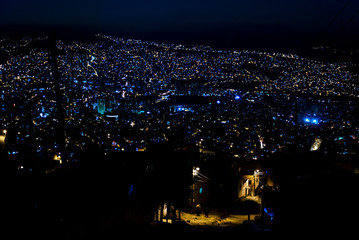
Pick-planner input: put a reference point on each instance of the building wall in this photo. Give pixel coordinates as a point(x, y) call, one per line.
point(246, 186)
point(101, 106)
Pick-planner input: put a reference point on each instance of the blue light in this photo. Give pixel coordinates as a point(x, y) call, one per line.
point(130, 189)
point(200, 190)
point(269, 213)
point(311, 120)
point(218, 102)
point(237, 97)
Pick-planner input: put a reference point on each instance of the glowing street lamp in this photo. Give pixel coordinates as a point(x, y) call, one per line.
point(195, 171)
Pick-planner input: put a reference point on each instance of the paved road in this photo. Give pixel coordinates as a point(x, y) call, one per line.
point(215, 218)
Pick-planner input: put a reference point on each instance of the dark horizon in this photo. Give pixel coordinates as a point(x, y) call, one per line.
point(257, 25)
point(255, 38)
point(228, 38)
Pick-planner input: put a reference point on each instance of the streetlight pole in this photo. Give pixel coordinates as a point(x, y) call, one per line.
point(195, 171)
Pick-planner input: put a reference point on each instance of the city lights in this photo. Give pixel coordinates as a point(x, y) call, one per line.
point(175, 127)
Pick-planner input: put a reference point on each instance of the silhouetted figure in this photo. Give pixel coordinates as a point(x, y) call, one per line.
point(198, 209)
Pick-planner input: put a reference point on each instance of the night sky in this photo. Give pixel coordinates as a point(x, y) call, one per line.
point(212, 21)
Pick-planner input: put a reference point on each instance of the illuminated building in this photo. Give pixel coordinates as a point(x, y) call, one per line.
point(101, 106)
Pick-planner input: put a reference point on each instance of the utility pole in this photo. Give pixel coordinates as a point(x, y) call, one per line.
point(60, 128)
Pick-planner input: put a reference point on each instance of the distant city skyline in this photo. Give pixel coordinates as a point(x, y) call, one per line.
point(225, 23)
